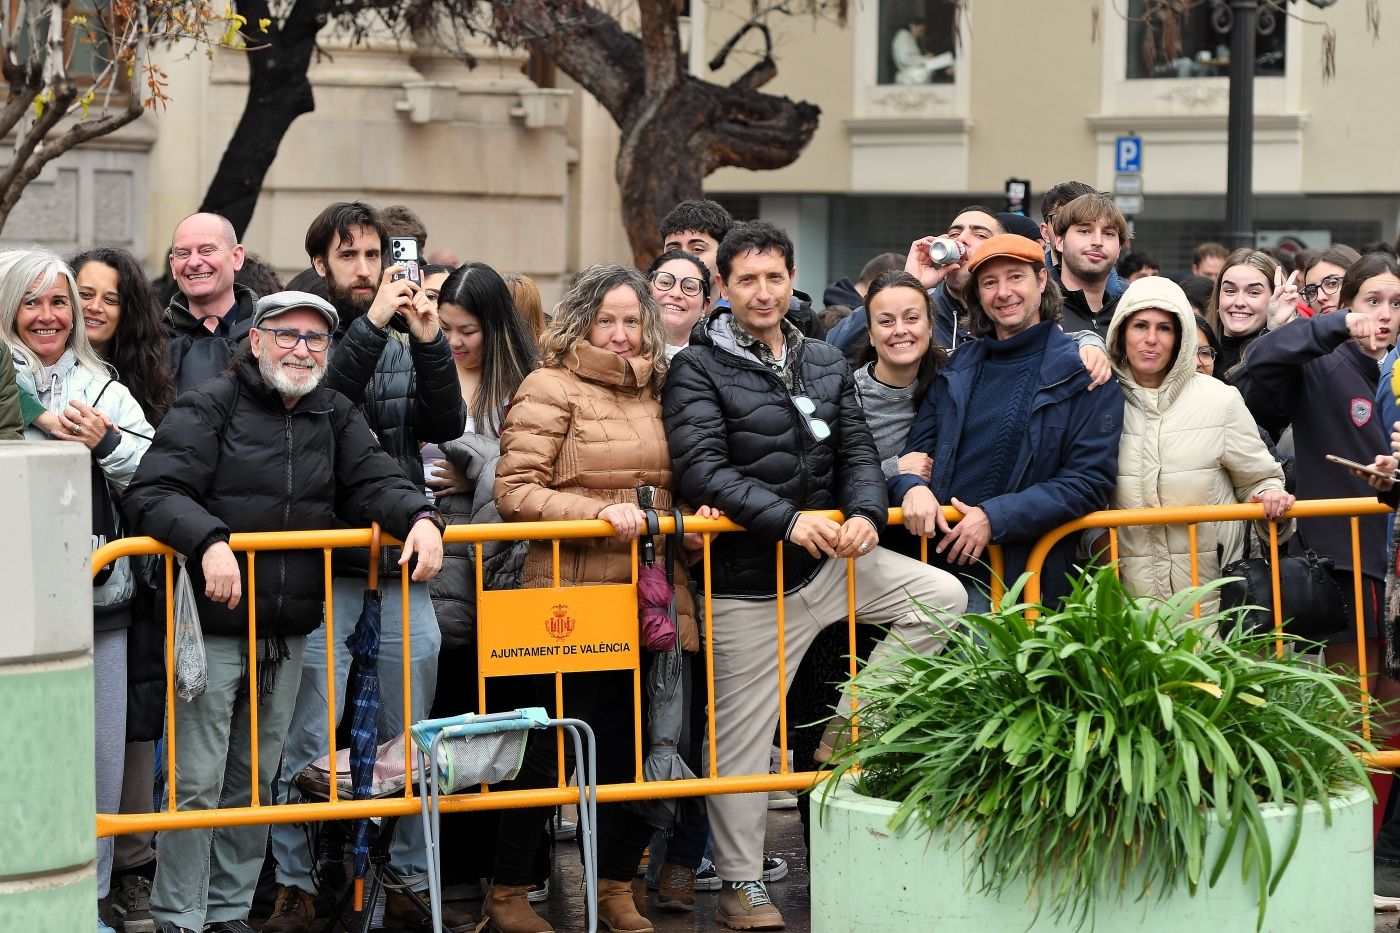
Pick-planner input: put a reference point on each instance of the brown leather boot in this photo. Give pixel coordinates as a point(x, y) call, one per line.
point(292, 912)
point(506, 910)
point(617, 911)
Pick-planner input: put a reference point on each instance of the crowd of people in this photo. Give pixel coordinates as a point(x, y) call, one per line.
point(1047, 373)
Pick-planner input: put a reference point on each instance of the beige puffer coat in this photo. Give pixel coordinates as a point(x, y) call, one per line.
point(576, 439)
point(1191, 441)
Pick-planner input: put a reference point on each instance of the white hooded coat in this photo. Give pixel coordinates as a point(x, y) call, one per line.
point(1190, 441)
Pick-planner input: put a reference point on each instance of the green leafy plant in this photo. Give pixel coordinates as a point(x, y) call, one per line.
point(1085, 753)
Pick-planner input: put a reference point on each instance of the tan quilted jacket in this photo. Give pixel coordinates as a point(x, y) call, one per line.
point(578, 438)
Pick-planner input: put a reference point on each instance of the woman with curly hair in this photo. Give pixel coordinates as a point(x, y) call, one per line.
point(582, 433)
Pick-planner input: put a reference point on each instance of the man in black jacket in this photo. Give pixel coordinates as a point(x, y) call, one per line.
point(392, 361)
point(765, 425)
point(263, 448)
point(209, 314)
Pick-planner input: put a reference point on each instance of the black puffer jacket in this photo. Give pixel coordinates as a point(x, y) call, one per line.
point(198, 354)
point(407, 392)
point(232, 457)
point(739, 443)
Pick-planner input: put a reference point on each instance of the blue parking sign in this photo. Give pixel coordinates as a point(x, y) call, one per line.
point(1128, 154)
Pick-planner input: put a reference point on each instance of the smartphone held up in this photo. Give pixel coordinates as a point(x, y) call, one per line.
point(403, 251)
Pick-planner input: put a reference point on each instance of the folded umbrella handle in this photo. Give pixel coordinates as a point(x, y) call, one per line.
point(649, 539)
point(374, 548)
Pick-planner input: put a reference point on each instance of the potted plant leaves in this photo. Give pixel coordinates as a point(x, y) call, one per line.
point(1111, 764)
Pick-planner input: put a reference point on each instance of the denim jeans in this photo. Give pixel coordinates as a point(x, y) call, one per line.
point(307, 739)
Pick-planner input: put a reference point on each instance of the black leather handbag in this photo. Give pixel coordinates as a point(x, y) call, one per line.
point(1312, 601)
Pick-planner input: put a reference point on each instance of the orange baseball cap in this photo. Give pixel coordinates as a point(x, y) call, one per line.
point(1009, 246)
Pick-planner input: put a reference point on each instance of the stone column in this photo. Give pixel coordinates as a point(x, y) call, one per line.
point(47, 800)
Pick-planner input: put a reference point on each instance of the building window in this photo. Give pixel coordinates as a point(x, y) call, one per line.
point(916, 42)
point(1192, 39)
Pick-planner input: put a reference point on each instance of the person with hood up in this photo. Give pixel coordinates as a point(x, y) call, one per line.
point(1188, 439)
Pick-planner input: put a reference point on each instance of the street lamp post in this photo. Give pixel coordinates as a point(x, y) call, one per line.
point(1241, 18)
point(1239, 159)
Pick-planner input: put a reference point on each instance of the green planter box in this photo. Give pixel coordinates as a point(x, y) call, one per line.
point(867, 878)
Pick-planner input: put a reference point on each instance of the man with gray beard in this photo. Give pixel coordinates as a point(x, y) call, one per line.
point(265, 447)
point(391, 359)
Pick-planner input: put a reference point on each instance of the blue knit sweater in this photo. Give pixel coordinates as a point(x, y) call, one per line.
point(997, 412)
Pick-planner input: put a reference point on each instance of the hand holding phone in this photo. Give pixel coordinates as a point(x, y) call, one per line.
point(1380, 475)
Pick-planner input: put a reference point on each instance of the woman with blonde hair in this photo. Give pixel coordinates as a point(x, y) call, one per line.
point(1251, 297)
point(581, 437)
point(65, 386)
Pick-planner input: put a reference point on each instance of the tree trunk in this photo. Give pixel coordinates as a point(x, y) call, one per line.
point(676, 128)
point(657, 168)
point(668, 150)
point(278, 92)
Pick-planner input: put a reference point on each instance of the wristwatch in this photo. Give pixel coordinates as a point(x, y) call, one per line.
point(432, 516)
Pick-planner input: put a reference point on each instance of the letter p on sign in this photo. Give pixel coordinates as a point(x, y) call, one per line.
point(1128, 154)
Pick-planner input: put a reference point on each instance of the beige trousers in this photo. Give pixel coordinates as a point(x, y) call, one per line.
point(746, 673)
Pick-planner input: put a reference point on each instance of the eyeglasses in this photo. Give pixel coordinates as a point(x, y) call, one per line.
point(1328, 286)
point(1205, 353)
point(819, 428)
point(665, 281)
point(288, 339)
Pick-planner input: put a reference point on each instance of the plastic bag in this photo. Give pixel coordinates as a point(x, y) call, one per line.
point(191, 666)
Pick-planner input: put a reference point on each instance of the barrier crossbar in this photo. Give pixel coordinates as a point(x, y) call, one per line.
point(336, 807)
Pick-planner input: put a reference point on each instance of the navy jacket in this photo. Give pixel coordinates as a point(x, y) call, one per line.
point(1067, 465)
point(1311, 374)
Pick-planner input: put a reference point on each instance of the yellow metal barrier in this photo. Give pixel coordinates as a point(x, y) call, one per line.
point(506, 607)
point(1194, 515)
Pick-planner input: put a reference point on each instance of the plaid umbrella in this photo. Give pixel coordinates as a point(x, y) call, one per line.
point(362, 696)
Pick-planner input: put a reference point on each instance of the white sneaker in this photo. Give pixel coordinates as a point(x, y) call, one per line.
point(707, 879)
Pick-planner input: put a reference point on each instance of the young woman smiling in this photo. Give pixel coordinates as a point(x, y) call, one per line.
point(895, 368)
point(1250, 297)
point(680, 283)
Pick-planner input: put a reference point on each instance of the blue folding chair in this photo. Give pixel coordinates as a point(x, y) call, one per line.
point(460, 752)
